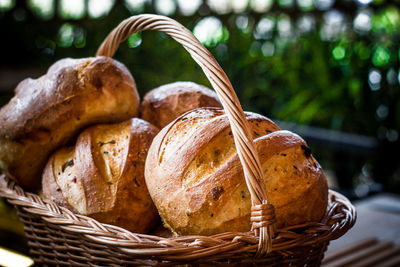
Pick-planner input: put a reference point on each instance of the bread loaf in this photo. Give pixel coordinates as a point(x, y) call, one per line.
point(196, 180)
point(103, 175)
point(49, 111)
point(163, 104)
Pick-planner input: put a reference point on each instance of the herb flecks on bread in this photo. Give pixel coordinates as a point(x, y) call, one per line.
point(102, 176)
point(196, 179)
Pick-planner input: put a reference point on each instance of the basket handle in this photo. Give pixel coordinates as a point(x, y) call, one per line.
point(262, 215)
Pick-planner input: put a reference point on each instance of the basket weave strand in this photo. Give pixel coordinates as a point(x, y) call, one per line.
point(57, 236)
point(223, 87)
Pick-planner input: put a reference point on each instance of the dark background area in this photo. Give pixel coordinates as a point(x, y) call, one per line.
point(326, 69)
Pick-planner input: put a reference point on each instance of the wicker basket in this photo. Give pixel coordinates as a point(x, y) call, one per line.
point(57, 236)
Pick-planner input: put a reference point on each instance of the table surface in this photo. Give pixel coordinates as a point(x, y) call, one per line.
point(375, 238)
point(377, 217)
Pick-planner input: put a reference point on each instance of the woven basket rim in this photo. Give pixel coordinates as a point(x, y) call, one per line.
point(339, 217)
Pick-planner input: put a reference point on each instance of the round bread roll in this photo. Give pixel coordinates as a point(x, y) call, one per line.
point(103, 175)
point(163, 104)
point(49, 111)
point(196, 180)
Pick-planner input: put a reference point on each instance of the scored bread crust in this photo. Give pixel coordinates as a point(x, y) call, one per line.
point(48, 112)
point(196, 180)
point(106, 177)
point(163, 104)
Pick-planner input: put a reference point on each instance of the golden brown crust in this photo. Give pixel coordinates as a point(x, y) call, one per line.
point(196, 180)
point(108, 163)
point(50, 185)
point(49, 111)
point(163, 104)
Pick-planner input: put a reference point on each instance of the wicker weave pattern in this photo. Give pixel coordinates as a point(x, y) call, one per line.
point(57, 236)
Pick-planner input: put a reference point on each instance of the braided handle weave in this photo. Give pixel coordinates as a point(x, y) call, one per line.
point(262, 212)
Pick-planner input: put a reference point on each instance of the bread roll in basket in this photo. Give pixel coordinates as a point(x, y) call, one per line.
point(163, 104)
point(57, 236)
point(102, 176)
point(49, 111)
point(195, 179)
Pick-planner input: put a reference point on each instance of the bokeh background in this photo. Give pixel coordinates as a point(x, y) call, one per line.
point(326, 69)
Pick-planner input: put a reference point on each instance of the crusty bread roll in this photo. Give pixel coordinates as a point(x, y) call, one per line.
point(163, 104)
point(196, 180)
point(103, 175)
point(49, 111)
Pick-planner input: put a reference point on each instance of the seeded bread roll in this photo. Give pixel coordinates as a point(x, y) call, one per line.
point(103, 175)
point(196, 180)
point(163, 104)
point(48, 112)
